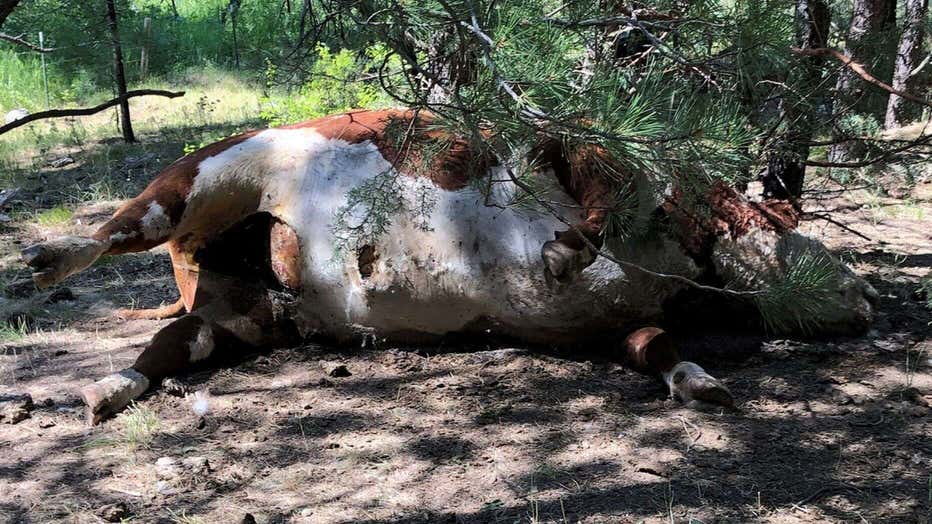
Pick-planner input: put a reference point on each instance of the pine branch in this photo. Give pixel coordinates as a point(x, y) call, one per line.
point(860, 71)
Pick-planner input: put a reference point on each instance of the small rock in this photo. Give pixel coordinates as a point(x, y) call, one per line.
point(62, 294)
point(336, 370)
point(248, 519)
point(888, 345)
point(840, 397)
point(15, 114)
point(167, 468)
point(324, 383)
point(113, 512)
point(165, 488)
point(60, 352)
point(197, 465)
point(15, 408)
point(46, 423)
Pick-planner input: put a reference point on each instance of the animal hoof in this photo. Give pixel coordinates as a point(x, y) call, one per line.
point(688, 382)
point(57, 259)
point(111, 394)
point(562, 264)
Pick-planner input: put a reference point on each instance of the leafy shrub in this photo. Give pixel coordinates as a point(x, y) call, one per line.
point(339, 81)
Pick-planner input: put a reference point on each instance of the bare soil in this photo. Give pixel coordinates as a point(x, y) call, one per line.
point(826, 430)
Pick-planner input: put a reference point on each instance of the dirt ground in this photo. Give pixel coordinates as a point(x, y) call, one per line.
point(826, 430)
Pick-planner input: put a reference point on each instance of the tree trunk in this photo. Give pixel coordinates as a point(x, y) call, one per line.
point(872, 24)
point(7, 7)
point(125, 122)
point(233, 11)
point(786, 168)
point(907, 56)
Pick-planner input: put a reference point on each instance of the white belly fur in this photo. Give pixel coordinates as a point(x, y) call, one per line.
point(472, 261)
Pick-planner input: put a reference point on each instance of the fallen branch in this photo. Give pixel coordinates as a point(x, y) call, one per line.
point(921, 141)
point(832, 221)
point(18, 40)
point(58, 113)
point(860, 71)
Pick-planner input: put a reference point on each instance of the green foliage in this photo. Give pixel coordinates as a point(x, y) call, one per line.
point(793, 301)
point(858, 125)
point(21, 82)
point(339, 81)
point(56, 216)
point(140, 425)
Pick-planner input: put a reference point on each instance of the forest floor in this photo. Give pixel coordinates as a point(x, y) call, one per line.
point(825, 430)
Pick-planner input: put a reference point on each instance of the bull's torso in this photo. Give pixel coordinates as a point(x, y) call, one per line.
point(446, 261)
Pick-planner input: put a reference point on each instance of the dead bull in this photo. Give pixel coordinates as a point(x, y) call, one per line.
point(256, 227)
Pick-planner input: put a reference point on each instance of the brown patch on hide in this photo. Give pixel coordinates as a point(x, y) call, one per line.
point(285, 255)
point(587, 173)
point(407, 140)
point(729, 214)
point(651, 350)
point(365, 259)
point(169, 190)
point(168, 352)
point(186, 271)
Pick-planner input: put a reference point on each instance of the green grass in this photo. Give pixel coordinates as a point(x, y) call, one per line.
point(140, 425)
point(14, 331)
point(56, 216)
point(217, 104)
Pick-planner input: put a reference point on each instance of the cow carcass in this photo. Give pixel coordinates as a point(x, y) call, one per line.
point(372, 225)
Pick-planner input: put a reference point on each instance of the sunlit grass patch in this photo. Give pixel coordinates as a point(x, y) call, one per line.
point(14, 330)
point(56, 216)
point(138, 427)
point(140, 424)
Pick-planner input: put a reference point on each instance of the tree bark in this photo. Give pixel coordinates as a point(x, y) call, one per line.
point(125, 123)
point(872, 23)
point(786, 168)
point(7, 7)
point(907, 57)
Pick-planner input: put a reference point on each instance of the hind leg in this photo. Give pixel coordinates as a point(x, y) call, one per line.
point(651, 351)
point(239, 315)
point(179, 346)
